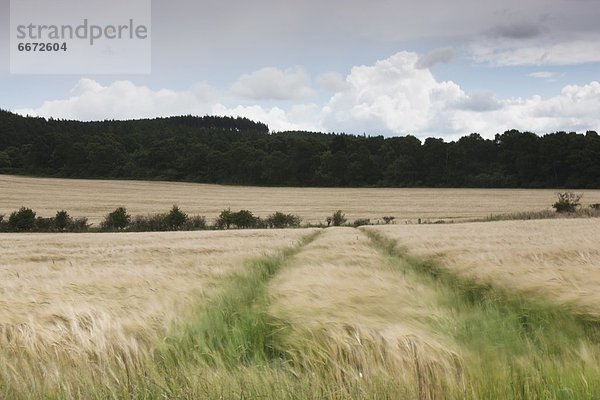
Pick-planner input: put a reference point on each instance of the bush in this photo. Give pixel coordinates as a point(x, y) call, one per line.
point(244, 219)
point(150, 223)
point(62, 221)
point(388, 219)
point(78, 225)
point(22, 220)
point(176, 219)
point(196, 222)
point(225, 219)
point(44, 224)
point(361, 222)
point(567, 202)
point(280, 220)
point(116, 220)
point(595, 206)
point(337, 219)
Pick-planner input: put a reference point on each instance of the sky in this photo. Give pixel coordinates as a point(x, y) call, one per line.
point(430, 68)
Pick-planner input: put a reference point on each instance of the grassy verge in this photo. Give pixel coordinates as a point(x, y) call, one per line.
point(514, 346)
point(236, 329)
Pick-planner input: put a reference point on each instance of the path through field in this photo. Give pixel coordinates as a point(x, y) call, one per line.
point(338, 313)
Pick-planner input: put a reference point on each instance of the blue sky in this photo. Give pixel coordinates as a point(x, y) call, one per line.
point(428, 68)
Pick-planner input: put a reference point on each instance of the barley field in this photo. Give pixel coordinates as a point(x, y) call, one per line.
point(84, 300)
point(554, 259)
point(471, 310)
point(95, 198)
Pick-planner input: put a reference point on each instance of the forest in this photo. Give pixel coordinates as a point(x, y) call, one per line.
point(239, 151)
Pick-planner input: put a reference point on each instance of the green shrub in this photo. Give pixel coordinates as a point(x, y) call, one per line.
point(595, 206)
point(44, 224)
point(388, 219)
point(197, 222)
point(244, 219)
point(116, 220)
point(225, 219)
point(567, 202)
point(22, 220)
point(62, 221)
point(176, 219)
point(280, 220)
point(78, 225)
point(337, 219)
point(149, 223)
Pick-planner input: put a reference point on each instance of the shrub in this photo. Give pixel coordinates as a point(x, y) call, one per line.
point(22, 220)
point(225, 219)
point(595, 206)
point(337, 219)
point(62, 221)
point(244, 219)
point(116, 220)
point(196, 222)
point(79, 225)
point(176, 219)
point(150, 223)
point(280, 220)
point(361, 222)
point(567, 202)
point(44, 224)
point(388, 219)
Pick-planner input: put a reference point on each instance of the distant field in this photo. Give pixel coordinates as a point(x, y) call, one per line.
point(93, 199)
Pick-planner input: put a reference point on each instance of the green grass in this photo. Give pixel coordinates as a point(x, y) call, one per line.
point(514, 346)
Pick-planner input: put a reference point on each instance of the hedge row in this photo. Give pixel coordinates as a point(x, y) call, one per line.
point(26, 220)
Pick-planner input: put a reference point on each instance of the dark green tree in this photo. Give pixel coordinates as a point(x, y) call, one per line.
point(117, 220)
point(22, 220)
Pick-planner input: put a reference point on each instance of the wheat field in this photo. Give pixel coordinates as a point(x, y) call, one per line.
point(95, 198)
point(554, 259)
point(473, 310)
point(82, 299)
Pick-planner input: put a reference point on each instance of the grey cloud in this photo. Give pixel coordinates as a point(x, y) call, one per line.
point(437, 56)
point(518, 31)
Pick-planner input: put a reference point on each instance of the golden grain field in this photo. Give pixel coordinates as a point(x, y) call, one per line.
point(558, 259)
point(95, 198)
point(370, 321)
point(87, 297)
point(336, 313)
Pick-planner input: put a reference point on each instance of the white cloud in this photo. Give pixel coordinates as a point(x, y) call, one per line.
point(299, 117)
point(394, 96)
point(545, 75)
point(90, 100)
point(332, 82)
point(274, 84)
point(391, 97)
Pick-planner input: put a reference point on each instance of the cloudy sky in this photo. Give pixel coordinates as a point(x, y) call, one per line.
point(394, 67)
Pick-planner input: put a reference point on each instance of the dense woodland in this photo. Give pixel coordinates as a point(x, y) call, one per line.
point(239, 151)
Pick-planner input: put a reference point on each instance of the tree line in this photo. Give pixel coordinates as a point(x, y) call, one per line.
point(239, 151)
